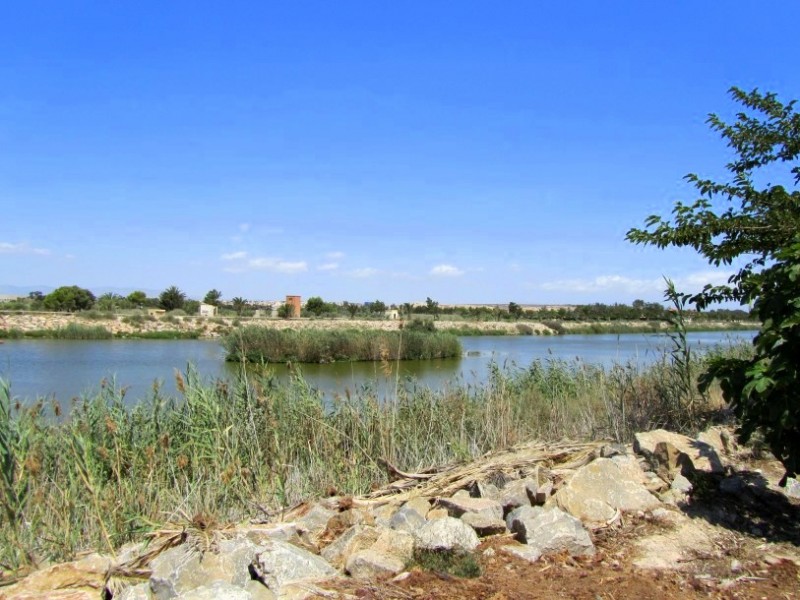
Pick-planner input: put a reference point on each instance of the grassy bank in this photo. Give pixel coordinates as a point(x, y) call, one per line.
point(106, 474)
point(260, 344)
point(71, 331)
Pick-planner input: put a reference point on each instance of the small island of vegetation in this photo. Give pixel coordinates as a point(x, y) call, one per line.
point(261, 344)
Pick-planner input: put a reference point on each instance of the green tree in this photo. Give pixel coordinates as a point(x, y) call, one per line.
point(239, 304)
point(109, 301)
point(352, 309)
point(69, 299)
point(515, 310)
point(432, 307)
point(137, 298)
point(742, 218)
point(377, 307)
point(213, 297)
point(315, 305)
point(286, 310)
point(172, 298)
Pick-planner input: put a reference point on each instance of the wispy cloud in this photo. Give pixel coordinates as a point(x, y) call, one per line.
point(332, 266)
point(244, 227)
point(335, 255)
point(446, 271)
point(277, 265)
point(234, 255)
point(363, 272)
point(630, 285)
point(22, 248)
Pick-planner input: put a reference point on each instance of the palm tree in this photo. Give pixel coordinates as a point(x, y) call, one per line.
point(172, 298)
point(239, 304)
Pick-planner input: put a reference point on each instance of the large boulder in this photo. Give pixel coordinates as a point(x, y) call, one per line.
point(598, 490)
point(369, 564)
point(358, 537)
point(656, 446)
point(480, 506)
point(446, 533)
point(76, 580)
point(280, 564)
point(552, 530)
point(407, 518)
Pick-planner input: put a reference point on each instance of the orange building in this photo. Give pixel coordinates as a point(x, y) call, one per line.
point(294, 302)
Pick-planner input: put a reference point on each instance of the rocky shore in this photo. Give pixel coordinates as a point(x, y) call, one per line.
point(666, 517)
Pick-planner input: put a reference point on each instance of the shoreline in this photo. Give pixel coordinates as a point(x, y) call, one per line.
point(52, 326)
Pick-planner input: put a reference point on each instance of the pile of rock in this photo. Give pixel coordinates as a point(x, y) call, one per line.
point(541, 507)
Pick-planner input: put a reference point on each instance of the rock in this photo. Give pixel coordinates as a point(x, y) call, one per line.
point(480, 506)
point(312, 525)
point(681, 484)
point(669, 460)
point(718, 438)
point(733, 485)
point(462, 494)
point(523, 512)
point(597, 490)
point(219, 590)
point(703, 456)
point(75, 580)
point(407, 519)
point(542, 493)
point(140, 591)
point(421, 504)
point(792, 489)
point(437, 513)
point(285, 532)
point(610, 450)
point(446, 533)
point(482, 489)
point(514, 495)
point(552, 530)
point(179, 570)
point(368, 564)
point(484, 525)
point(527, 553)
point(399, 544)
point(281, 564)
point(358, 537)
point(674, 549)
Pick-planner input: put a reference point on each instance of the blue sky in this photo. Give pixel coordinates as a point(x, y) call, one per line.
point(471, 152)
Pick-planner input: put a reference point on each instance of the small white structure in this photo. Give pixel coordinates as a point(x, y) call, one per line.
point(208, 310)
point(392, 314)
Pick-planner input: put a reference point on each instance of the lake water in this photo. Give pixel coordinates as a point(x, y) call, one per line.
point(66, 369)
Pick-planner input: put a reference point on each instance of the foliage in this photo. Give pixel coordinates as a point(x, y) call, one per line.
point(286, 310)
point(69, 299)
point(172, 298)
point(315, 305)
point(515, 310)
point(137, 299)
point(765, 390)
point(377, 307)
point(352, 309)
point(259, 344)
point(760, 225)
point(238, 304)
point(213, 297)
point(114, 468)
point(432, 307)
point(420, 325)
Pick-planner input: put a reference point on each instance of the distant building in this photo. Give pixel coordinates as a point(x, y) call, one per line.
point(154, 312)
point(392, 314)
point(208, 310)
point(296, 303)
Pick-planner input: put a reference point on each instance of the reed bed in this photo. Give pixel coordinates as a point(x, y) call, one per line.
point(266, 345)
point(99, 472)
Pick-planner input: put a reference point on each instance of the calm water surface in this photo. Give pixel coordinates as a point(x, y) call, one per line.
point(66, 369)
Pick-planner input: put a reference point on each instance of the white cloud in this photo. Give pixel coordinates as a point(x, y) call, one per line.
point(328, 267)
point(244, 227)
point(23, 248)
point(335, 255)
point(364, 272)
point(620, 283)
point(234, 256)
point(446, 271)
point(277, 265)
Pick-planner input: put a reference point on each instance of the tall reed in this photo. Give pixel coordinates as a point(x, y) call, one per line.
point(106, 472)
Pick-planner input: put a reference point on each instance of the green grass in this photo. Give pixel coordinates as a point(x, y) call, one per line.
point(260, 345)
point(11, 334)
point(107, 472)
point(173, 334)
point(457, 564)
point(467, 330)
